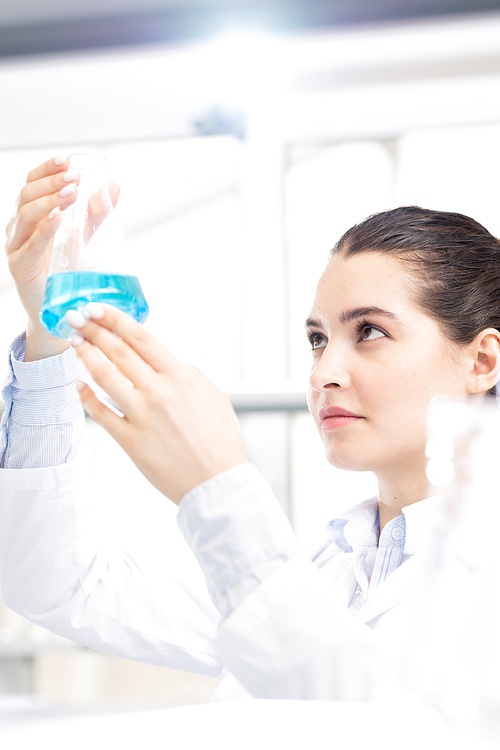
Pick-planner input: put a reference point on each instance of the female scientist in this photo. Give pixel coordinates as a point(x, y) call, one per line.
point(408, 307)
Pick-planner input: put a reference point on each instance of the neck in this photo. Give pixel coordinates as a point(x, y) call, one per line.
point(398, 489)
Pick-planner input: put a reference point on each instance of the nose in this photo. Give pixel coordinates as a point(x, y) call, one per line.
point(330, 370)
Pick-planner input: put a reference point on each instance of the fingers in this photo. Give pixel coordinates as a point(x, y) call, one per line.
point(118, 352)
point(38, 200)
point(107, 376)
point(52, 166)
point(97, 209)
point(49, 186)
point(114, 192)
point(132, 334)
point(99, 205)
point(100, 413)
point(35, 246)
point(43, 215)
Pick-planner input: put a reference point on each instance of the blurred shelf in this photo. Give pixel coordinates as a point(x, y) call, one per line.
point(28, 648)
point(271, 401)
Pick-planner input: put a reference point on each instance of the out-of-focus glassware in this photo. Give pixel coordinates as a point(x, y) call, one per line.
point(452, 661)
point(90, 260)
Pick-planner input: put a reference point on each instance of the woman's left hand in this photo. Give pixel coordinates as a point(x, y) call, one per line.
point(178, 428)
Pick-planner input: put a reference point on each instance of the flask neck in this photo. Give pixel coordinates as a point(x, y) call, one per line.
point(88, 163)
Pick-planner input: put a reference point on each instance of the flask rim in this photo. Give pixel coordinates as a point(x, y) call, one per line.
point(87, 161)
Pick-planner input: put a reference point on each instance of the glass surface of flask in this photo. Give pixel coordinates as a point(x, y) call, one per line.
point(90, 259)
point(453, 661)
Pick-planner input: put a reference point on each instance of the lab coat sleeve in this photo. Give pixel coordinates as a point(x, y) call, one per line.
point(61, 566)
point(148, 603)
point(283, 633)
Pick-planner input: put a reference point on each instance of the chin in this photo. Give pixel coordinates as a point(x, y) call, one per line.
point(346, 462)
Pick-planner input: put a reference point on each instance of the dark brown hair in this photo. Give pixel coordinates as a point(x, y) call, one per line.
point(453, 259)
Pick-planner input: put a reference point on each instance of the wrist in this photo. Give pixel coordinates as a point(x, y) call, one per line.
point(40, 344)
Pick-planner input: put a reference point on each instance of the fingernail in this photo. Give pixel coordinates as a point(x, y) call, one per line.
point(76, 319)
point(95, 310)
point(55, 211)
point(67, 190)
point(76, 339)
point(80, 385)
point(70, 176)
point(60, 160)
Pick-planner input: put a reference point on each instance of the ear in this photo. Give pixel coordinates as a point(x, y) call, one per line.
point(485, 350)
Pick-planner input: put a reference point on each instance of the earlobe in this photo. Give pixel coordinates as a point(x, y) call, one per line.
point(486, 368)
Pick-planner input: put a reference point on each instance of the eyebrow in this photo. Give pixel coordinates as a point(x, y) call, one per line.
point(354, 314)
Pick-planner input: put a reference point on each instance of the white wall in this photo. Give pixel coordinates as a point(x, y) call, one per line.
point(230, 236)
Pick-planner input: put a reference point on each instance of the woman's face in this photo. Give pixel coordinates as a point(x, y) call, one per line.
point(377, 362)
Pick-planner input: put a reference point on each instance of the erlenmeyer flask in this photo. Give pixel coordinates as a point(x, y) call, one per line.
point(89, 261)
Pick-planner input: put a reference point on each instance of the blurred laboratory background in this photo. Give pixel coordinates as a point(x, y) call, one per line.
point(247, 136)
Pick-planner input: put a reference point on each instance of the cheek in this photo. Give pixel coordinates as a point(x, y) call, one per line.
point(402, 400)
point(413, 376)
point(383, 388)
point(394, 398)
point(436, 376)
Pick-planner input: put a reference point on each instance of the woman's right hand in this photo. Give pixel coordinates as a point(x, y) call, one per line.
point(49, 189)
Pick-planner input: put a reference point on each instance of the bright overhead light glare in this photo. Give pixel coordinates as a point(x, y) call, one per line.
point(246, 67)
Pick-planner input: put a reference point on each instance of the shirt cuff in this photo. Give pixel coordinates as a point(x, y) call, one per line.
point(43, 392)
point(237, 530)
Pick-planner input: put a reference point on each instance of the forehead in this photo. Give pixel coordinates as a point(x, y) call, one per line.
point(365, 280)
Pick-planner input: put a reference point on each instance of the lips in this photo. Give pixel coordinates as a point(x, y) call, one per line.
point(334, 417)
point(335, 411)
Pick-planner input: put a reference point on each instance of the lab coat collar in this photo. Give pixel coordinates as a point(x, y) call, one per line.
point(420, 519)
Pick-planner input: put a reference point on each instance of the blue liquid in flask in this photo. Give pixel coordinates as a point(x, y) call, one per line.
point(72, 290)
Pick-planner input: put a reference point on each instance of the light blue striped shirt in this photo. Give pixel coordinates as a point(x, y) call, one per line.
point(40, 395)
point(376, 555)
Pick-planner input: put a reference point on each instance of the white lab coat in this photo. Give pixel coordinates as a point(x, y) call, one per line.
point(291, 637)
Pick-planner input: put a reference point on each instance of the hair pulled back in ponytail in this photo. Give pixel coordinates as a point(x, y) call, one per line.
point(453, 261)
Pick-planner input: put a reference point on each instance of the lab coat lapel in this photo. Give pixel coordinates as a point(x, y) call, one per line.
point(342, 578)
point(393, 590)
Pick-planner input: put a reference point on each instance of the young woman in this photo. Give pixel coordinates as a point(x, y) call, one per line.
point(407, 308)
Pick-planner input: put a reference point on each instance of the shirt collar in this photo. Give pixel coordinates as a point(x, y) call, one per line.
point(360, 527)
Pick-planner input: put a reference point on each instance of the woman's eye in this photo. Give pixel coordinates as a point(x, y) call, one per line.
point(368, 333)
point(317, 341)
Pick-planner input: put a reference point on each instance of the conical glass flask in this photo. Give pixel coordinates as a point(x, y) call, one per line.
point(90, 260)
